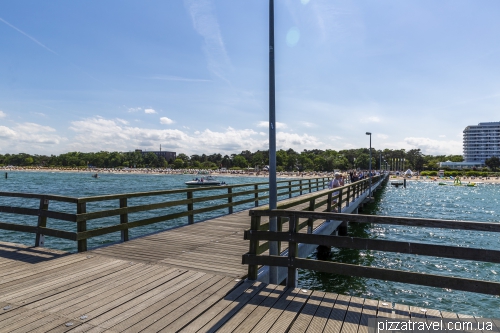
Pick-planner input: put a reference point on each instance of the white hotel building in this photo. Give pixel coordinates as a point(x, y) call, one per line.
point(480, 143)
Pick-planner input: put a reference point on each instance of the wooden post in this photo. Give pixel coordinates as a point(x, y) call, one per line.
point(300, 183)
point(81, 208)
point(42, 222)
point(281, 220)
point(230, 199)
point(124, 219)
point(290, 189)
point(343, 228)
point(256, 195)
point(310, 185)
point(339, 202)
point(317, 184)
point(254, 246)
point(291, 281)
point(310, 221)
point(329, 203)
point(190, 207)
point(348, 196)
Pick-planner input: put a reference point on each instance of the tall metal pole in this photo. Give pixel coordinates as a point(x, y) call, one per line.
point(370, 166)
point(273, 194)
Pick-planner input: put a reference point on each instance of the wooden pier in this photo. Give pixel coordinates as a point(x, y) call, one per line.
point(188, 279)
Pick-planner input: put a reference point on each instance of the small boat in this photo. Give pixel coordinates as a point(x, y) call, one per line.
point(205, 181)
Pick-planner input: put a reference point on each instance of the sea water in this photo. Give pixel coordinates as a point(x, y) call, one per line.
point(82, 184)
point(422, 200)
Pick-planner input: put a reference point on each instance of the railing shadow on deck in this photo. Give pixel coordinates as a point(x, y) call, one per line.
point(31, 255)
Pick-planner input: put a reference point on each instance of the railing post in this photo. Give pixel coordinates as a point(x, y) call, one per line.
point(310, 185)
point(291, 281)
point(317, 184)
point(329, 203)
point(347, 202)
point(190, 207)
point(254, 246)
point(310, 221)
point(230, 199)
point(81, 208)
point(42, 222)
point(300, 183)
point(124, 219)
point(290, 189)
point(339, 204)
point(256, 195)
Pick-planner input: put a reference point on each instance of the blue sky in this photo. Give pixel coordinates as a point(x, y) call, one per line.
point(192, 75)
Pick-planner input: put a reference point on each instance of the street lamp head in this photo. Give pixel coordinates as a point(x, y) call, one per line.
point(368, 133)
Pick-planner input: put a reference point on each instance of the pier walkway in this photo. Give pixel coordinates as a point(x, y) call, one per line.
point(188, 279)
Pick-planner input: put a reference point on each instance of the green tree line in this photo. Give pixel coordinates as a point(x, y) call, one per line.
point(286, 160)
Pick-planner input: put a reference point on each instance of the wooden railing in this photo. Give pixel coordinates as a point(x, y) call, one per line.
point(187, 202)
point(293, 238)
point(332, 200)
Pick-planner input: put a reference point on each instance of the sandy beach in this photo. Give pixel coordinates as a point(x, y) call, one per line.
point(464, 180)
point(157, 171)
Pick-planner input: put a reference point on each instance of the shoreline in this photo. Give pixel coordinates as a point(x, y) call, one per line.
point(191, 172)
point(435, 179)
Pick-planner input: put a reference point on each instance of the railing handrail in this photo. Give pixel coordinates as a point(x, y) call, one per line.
point(255, 235)
point(81, 216)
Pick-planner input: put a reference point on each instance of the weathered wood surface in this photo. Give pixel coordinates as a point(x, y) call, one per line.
point(52, 291)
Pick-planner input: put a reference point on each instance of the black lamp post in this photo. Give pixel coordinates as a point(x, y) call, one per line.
point(370, 165)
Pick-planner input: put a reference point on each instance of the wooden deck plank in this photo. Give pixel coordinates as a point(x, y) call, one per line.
point(353, 315)
point(216, 322)
point(253, 310)
point(307, 314)
point(187, 303)
point(129, 295)
point(37, 290)
point(401, 311)
point(385, 310)
point(133, 309)
point(275, 311)
point(369, 311)
point(223, 306)
point(320, 318)
point(337, 315)
point(288, 316)
point(68, 298)
point(200, 306)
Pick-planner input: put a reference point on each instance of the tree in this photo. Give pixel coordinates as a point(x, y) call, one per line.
point(493, 163)
point(240, 161)
point(178, 163)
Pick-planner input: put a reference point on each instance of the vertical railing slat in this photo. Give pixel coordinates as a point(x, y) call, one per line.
point(81, 208)
point(291, 281)
point(124, 220)
point(42, 222)
point(190, 207)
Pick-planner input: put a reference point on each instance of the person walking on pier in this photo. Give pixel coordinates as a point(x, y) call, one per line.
point(337, 181)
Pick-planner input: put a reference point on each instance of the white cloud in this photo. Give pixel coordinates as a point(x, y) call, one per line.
point(6, 133)
point(2, 114)
point(205, 23)
point(123, 121)
point(134, 109)
point(371, 119)
point(266, 124)
point(29, 138)
point(435, 147)
point(308, 124)
point(442, 136)
point(149, 111)
point(177, 78)
point(112, 135)
point(166, 121)
point(382, 136)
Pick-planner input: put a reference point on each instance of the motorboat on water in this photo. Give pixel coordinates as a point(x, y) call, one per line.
point(205, 181)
